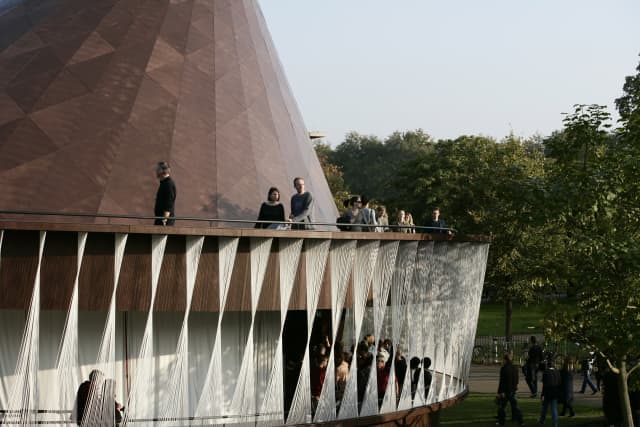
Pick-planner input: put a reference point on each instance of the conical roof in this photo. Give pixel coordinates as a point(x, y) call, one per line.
point(94, 93)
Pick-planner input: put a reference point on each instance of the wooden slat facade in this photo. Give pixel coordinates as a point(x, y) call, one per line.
point(19, 260)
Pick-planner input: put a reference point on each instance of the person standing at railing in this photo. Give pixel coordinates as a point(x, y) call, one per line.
point(401, 220)
point(409, 221)
point(354, 213)
point(301, 206)
point(437, 224)
point(367, 215)
point(165, 197)
point(382, 218)
point(271, 210)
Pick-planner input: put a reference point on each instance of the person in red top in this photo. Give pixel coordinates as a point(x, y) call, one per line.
point(383, 371)
point(318, 372)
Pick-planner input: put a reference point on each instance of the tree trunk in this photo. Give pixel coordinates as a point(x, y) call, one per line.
point(623, 390)
point(507, 322)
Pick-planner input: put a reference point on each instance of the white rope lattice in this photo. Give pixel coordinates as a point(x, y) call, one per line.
point(96, 411)
point(365, 260)
point(382, 276)
point(425, 297)
point(139, 404)
point(244, 398)
point(342, 255)
point(316, 252)
point(210, 402)
point(417, 313)
point(177, 397)
point(406, 306)
point(273, 402)
point(401, 282)
point(24, 395)
point(67, 360)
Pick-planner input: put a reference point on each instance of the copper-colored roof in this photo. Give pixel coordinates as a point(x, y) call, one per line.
point(94, 93)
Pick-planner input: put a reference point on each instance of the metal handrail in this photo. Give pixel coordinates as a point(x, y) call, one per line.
point(425, 229)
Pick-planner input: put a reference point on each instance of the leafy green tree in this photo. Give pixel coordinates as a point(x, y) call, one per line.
point(490, 188)
point(332, 173)
point(593, 192)
point(369, 164)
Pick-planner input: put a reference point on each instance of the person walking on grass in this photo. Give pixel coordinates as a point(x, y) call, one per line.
point(551, 389)
point(585, 367)
point(534, 358)
point(507, 389)
point(566, 378)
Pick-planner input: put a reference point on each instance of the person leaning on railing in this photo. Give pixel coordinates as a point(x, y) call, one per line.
point(401, 220)
point(383, 218)
point(301, 206)
point(271, 210)
point(437, 224)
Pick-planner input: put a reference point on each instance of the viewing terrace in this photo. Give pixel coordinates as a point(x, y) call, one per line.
point(202, 325)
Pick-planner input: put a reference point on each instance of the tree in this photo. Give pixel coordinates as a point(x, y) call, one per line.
point(332, 173)
point(369, 164)
point(490, 188)
point(593, 192)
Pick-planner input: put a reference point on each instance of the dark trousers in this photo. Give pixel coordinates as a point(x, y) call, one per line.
point(531, 376)
point(170, 221)
point(569, 406)
point(515, 409)
point(586, 381)
point(553, 405)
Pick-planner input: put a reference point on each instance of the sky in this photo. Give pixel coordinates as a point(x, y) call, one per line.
point(452, 67)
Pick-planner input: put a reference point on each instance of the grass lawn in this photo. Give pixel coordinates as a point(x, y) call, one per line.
point(525, 319)
point(479, 409)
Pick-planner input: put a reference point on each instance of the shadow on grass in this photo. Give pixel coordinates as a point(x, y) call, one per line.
point(479, 409)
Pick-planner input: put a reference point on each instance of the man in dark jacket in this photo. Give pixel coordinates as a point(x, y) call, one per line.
point(507, 391)
point(533, 362)
point(551, 390)
point(165, 197)
point(437, 224)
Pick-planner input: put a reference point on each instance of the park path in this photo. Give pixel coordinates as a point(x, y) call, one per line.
point(484, 379)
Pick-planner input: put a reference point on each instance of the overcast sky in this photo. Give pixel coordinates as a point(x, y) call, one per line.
point(452, 67)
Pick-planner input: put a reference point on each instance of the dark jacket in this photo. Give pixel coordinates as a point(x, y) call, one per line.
point(551, 384)
point(165, 200)
point(535, 355)
point(508, 379)
point(437, 224)
point(81, 400)
point(270, 213)
point(566, 378)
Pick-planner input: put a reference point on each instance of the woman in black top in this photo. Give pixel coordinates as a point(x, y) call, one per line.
point(271, 210)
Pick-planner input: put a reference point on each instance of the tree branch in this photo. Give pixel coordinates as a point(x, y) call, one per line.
point(633, 369)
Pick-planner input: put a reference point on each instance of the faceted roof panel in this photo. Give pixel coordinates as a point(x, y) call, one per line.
point(93, 94)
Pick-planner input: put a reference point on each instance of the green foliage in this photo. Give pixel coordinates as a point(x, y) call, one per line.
point(629, 105)
point(563, 211)
point(593, 193)
point(369, 164)
point(332, 173)
point(491, 188)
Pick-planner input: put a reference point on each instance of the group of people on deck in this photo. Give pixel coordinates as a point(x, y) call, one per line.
point(301, 208)
point(358, 215)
